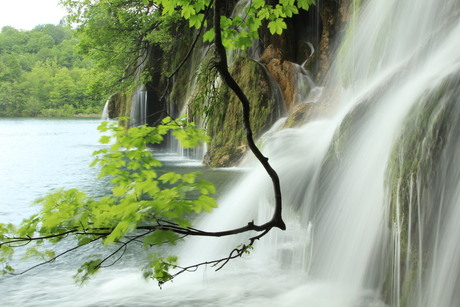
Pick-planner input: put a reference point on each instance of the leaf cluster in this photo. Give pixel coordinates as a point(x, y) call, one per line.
point(239, 31)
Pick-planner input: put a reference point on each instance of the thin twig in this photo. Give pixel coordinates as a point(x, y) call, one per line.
point(57, 256)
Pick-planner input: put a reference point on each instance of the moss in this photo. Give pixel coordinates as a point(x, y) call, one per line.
point(184, 78)
point(412, 169)
point(306, 112)
point(120, 104)
point(225, 124)
point(224, 156)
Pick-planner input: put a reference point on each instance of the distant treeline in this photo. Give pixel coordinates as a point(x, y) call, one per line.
point(41, 74)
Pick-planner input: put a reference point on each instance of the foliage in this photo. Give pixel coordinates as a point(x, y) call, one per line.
point(42, 75)
point(238, 31)
point(132, 23)
point(139, 25)
point(143, 208)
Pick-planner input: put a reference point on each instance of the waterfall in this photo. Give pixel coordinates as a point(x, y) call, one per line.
point(307, 90)
point(190, 89)
point(372, 193)
point(105, 111)
point(138, 114)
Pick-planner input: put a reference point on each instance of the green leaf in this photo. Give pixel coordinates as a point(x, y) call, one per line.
point(7, 270)
point(290, 10)
point(103, 127)
point(120, 231)
point(170, 177)
point(148, 187)
point(205, 203)
point(168, 7)
point(209, 35)
point(305, 4)
point(187, 11)
point(264, 13)
point(120, 190)
point(189, 178)
point(104, 139)
point(257, 4)
point(196, 20)
point(160, 237)
point(277, 26)
point(200, 5)
point(88, 269)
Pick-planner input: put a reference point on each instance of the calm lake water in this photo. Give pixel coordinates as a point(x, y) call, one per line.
point(38, 155)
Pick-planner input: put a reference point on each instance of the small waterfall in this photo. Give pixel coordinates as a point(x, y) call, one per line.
point(138, 114)
point(307, 90)
point(105, 111)
point(184, 105)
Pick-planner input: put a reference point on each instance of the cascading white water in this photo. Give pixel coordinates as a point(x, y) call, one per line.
point(105, 111)
point(335, 173)
point(306, 87)
point(138, 114)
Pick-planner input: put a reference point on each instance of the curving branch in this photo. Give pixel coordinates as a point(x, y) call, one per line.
point(222, 67)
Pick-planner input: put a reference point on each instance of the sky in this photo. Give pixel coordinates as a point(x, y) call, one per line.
point(26, 14)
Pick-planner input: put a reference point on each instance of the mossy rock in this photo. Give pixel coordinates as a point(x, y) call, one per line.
point(120, 105)
point(225, 124)
point(414, 183)
point(305, 112)
point(224, 156)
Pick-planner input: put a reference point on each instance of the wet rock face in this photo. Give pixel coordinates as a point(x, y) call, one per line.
point(418, 177)
point(119, 105)
point(224, 156)
point(283, 72)
point(225, 125)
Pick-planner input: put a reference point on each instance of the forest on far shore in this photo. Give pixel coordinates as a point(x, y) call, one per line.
point(41, 74)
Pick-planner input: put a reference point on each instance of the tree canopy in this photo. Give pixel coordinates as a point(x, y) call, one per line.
point(41, 74)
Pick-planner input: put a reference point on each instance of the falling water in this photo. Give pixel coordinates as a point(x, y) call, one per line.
point(138, 114)
point(363, 232)
point(105, 111)
point(307, 90)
